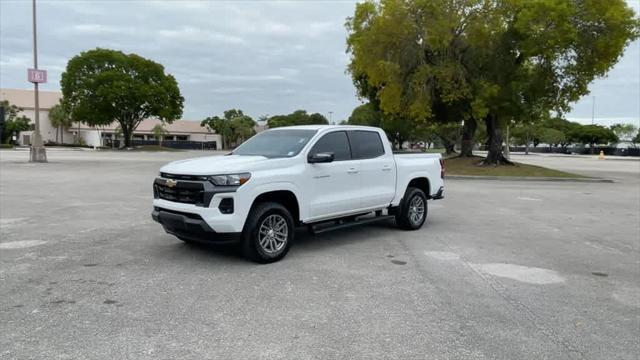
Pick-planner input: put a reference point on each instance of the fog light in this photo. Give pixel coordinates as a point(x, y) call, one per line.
point(226, 206)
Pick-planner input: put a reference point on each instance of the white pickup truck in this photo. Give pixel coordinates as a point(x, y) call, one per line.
point(320, 176)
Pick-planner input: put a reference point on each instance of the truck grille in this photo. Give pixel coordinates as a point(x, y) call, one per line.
point(183, 192)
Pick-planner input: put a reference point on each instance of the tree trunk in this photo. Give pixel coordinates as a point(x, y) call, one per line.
point(126, 132)
point(62, 135)
point(468, 133)
point(495, 155)
point(526, 143)
point(449, 147)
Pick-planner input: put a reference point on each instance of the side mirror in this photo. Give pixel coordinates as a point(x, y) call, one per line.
point(320, 158)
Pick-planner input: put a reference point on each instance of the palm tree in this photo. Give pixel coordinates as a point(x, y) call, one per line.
point(60, 119)
point(159, 132)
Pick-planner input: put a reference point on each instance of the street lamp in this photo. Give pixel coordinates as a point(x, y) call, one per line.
point(38, 152)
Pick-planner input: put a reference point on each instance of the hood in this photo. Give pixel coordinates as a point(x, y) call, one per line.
point(212, 165)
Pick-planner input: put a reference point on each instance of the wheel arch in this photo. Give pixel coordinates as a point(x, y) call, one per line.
point(285, 198)
point(421, 183)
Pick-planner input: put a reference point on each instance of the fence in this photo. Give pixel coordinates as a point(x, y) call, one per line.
point(175, 144)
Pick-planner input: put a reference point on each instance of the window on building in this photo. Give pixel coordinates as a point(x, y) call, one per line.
point(182, 137)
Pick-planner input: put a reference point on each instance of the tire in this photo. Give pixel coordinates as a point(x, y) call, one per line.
point(408, 216)
point(268, 233)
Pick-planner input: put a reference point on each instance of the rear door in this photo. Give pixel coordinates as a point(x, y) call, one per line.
point(377, 168)
point(334, 187)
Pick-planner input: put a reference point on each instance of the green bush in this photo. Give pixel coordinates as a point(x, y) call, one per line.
point(6, 146)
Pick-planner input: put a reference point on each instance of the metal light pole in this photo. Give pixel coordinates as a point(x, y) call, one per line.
point(330, 117)
point(593, 110)
point(38, 152)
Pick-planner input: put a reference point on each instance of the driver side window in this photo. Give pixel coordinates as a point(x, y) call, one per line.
point(335, 142)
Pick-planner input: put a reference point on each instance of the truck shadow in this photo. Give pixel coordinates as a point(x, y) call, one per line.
point(304, 242)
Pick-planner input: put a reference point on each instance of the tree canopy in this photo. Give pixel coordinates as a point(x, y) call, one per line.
point(234, 127)
point(13, 123)
point(298, 117)
point(102, 86)
point(440, 61)
point(624, 132)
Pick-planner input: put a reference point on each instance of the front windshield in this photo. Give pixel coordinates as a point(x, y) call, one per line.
point(276, 143)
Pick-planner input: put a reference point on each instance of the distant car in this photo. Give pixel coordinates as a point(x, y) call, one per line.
point(324, 177)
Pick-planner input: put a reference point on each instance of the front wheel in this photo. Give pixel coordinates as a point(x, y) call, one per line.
point(268, 233)
point(413, 210)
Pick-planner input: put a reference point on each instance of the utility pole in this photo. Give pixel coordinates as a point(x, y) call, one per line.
point(331, 117)
point(38, 152)
point(593, 110)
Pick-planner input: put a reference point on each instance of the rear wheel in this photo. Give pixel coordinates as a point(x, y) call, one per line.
point(413, 210)
point(268, 233)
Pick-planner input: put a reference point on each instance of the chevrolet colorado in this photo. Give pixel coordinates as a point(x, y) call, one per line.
point(321, 176)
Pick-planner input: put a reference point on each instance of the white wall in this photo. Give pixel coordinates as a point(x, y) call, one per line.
point(47, 131)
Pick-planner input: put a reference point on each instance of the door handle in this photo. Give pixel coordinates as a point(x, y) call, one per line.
point(386, 168)
point(352, 171)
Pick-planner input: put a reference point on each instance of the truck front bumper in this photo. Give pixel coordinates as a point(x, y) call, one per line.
point(191, 226)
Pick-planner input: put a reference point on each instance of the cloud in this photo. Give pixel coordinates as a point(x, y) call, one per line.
point(192, 34)
point(265, 57)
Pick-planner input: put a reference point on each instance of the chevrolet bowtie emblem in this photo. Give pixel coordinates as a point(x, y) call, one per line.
point(171, 183)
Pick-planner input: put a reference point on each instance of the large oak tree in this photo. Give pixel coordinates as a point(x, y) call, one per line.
point(102, 86)
point(487, 61)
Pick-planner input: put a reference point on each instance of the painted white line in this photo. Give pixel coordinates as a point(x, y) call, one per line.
point(528, 198)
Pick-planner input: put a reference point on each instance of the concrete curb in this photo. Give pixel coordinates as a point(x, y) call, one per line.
point(26, 148)
point(527, 178)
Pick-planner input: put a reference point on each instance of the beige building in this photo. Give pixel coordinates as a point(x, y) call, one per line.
point(180, 133)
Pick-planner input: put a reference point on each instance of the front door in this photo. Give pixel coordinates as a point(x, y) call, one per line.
point(334, 187)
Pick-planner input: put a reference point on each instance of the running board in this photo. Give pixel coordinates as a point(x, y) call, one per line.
point(323, 227)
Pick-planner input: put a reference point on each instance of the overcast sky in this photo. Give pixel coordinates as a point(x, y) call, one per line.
point(264, 57)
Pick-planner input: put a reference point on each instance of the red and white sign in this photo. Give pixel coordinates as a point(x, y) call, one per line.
point(37, 76)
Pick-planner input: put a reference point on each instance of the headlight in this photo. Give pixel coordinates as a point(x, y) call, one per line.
point(230, 180)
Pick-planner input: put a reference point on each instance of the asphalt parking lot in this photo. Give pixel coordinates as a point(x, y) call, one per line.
point(502, 270)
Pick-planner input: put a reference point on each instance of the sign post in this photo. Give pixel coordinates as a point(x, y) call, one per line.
point(38, 152)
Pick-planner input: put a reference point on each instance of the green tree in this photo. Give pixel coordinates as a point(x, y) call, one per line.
point(551, 137)
point(14, 123)
point(234, 127)
point(449, 134)
point(624, 132)
point(365, 114)
point(493, 61)
point(60, 120)
point(636, 139)
point(596, 134)
point(221, 127)
point(298, 117)
point(159, 133)
point(102, 86)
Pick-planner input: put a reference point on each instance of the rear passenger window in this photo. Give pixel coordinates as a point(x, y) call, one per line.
point(336, 143)
point(366, 144)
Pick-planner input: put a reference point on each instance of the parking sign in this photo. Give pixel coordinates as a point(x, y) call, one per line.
point(37, 76)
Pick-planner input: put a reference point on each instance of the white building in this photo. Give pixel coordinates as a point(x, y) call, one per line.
point(179, 130)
